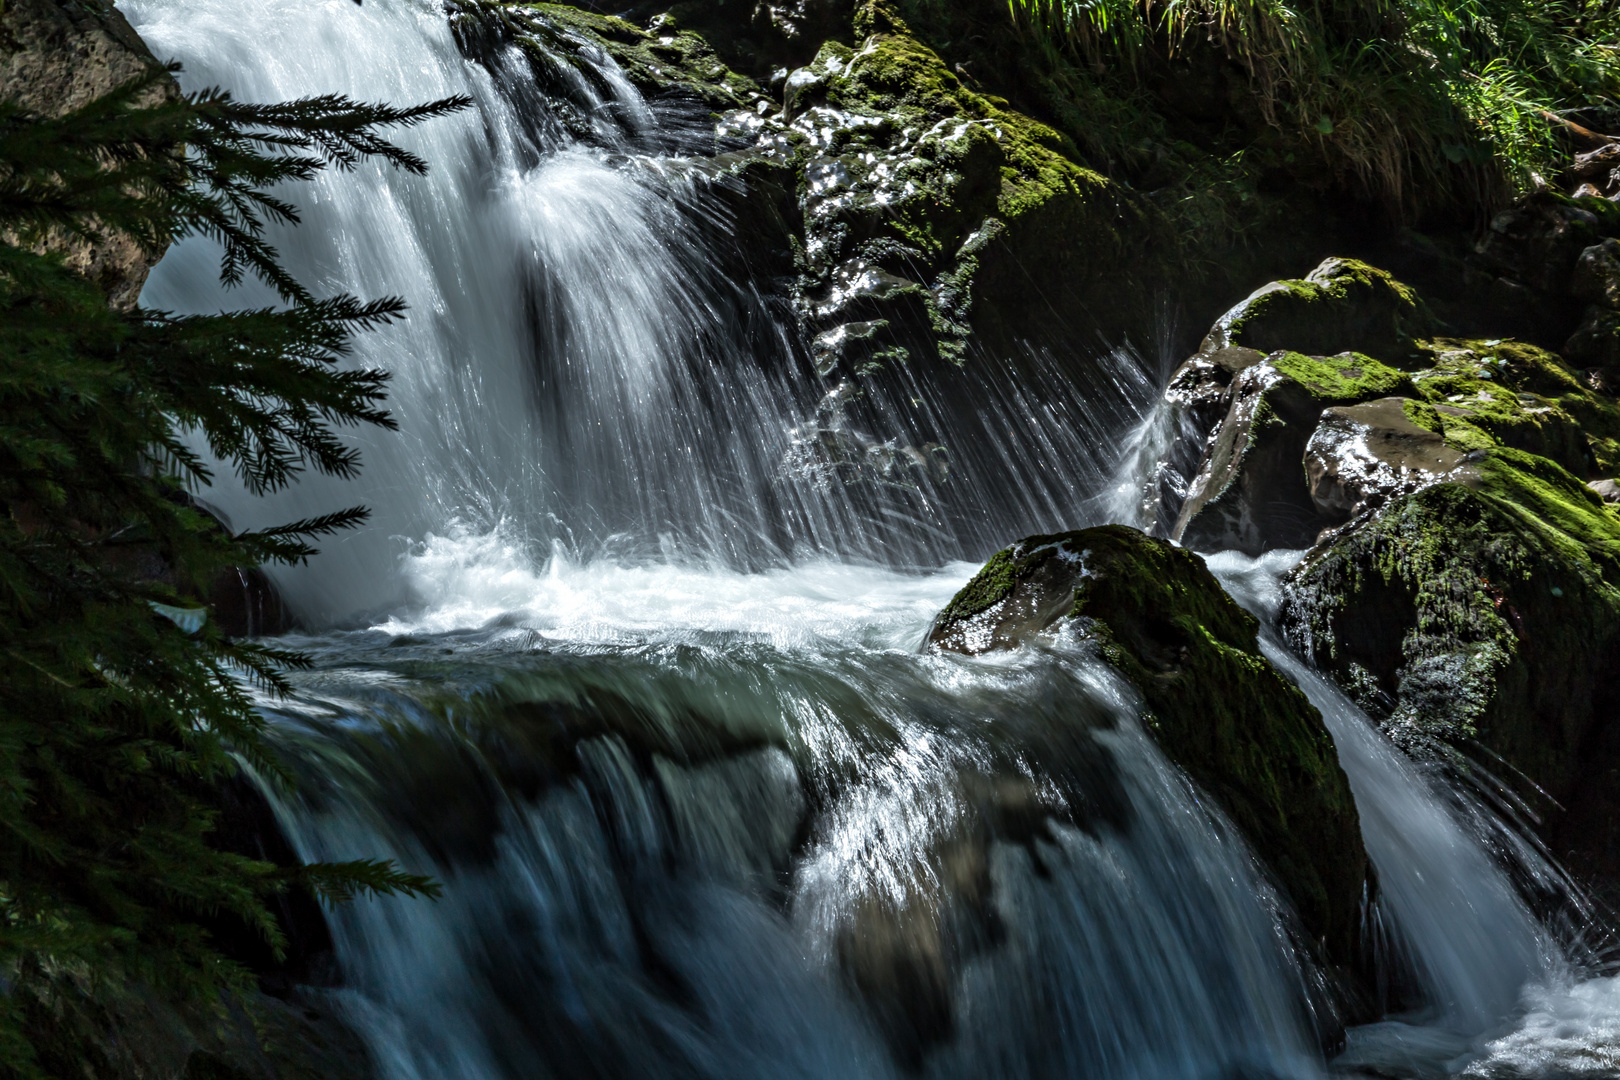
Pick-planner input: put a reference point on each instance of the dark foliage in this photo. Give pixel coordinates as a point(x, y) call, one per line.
point(122, 707)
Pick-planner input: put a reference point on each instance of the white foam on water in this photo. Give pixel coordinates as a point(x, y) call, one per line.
point(467, 579)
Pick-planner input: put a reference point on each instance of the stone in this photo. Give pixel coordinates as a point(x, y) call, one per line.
point(1361, 456)
point(57, 57)
point(1250, 493)
point(1485, 615)
point(1596, 341)
point(1537, 241)
point(1607, 490)
point(1341, 305)
point(1214, 704)
point(1596, 278)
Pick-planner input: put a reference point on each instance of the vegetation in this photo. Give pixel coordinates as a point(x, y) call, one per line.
point(1414, 101)
point(122, 708)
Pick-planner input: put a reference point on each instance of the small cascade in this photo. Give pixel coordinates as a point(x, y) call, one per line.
point(702, 854)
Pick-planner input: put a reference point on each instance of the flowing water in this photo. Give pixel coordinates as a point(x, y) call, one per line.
point(648, 699)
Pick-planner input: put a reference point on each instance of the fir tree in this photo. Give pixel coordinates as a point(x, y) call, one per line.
point(119, 714)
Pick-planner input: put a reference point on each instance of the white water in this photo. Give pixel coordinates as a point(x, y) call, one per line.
point(584, 517)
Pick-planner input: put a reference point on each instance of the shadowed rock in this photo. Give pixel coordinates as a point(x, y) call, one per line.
point(1214, 704)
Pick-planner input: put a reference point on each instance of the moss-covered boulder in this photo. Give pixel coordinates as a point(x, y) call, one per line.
point(1214, 704)
point(1341, 305)
point(1251, 491)
point(939, 210)
point(1361, 456)
point(1486, 614)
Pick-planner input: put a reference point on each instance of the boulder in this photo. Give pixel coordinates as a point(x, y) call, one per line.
point(1250, 493)
point(1486, 615)
point(1361, 456)
point(57, 57)
point(1341, 305)
point(1213, 703)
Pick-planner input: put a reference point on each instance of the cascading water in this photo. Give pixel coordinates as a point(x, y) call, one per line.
point(650, 705)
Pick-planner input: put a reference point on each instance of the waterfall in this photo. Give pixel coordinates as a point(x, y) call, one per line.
point(646, 697)
point(577, 367)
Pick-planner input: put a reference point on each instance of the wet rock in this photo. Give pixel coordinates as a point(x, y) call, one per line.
point(1361, 456)
point(1486, 616)
point(1607, 490)
point(1490, 393)
point(57, 57)
point(1215, 705)
point(247, 603)
point(1341, 305)
point(1250, 493)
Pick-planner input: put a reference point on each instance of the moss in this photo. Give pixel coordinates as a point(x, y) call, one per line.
point(1423, 415)
point(990, 586)
point(1344, 379)
point(1342, 304)
point(668, 61)
point(1214, 704)
point(1582, 525)
point(1513, 394)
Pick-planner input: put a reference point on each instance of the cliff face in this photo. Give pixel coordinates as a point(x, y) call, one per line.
point(59, 56)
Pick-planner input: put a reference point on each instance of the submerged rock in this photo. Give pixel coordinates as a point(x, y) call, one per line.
point(1214, 704)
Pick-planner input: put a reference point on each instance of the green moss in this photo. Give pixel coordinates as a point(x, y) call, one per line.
point(1523, 397)
point(1550, 495)
point(989, 587)
point(1343, 304)
point(1344, 379)
point(1423, 415)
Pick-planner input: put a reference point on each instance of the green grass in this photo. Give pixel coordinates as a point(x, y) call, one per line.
point(1414, 102)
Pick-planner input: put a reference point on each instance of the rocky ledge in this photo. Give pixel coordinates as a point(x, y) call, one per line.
point(1214, 704)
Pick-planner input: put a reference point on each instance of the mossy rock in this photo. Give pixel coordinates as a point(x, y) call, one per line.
point(985, 208)
point(1343, 304)
point(1251, 492)
point(1214, 704)
point(1491, 393)
point(1486, 615)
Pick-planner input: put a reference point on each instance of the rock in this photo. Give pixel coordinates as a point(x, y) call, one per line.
point(1490, 393)
point(913, 178)
point(1596, 344)
point(1215, 706)
point(1599, 169)
point(57, 57)
point(1341, 305)
point(1485, 615)
point(1361, 456)
point(1607, 490)
point(1596, 278)
point(1538, 241)
point(1250, 493)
